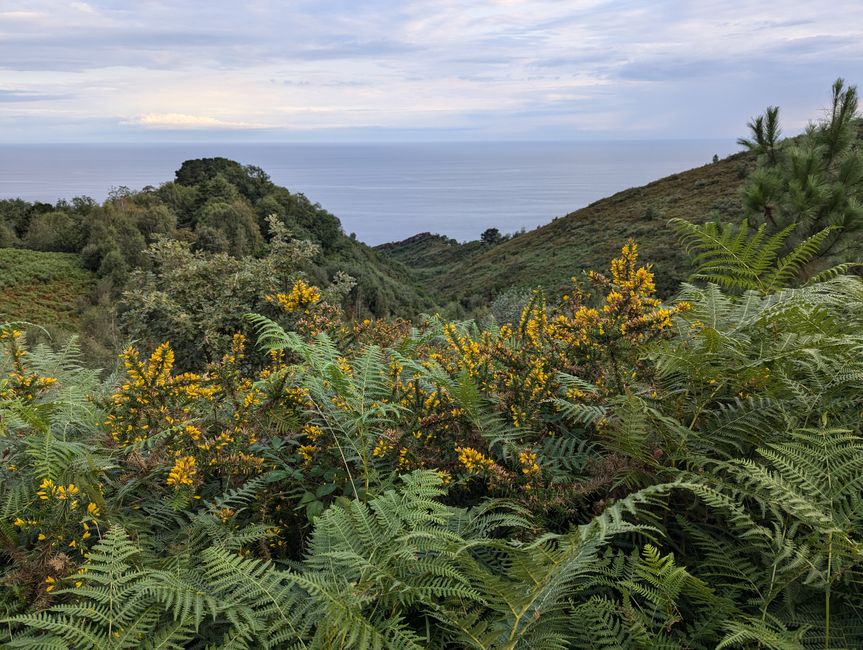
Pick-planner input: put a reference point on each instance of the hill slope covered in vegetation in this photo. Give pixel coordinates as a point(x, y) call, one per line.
point(474, 273)
point(48, 289)
point(105, 270)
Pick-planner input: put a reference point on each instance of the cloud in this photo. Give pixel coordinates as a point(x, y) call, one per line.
point(9, 96)
point(534, 68)
point(184, 122)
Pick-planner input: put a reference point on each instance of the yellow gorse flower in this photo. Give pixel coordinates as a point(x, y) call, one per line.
point(306, 452)
point(382, 447)
point(301, 296)
point(472, 460)
point(183, 472)
point(65, 492)
point(527, 459)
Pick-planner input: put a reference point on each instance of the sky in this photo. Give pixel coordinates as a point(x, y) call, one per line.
point(415, 70)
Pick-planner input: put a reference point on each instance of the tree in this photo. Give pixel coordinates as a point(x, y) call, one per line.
point(237, 222)
point(765, 134)
point(491, 236)
point(811, 182)
point(54, 231)
point(198, 300)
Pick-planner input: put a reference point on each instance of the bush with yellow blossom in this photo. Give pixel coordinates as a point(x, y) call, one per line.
point(53, 476)
point(194, 426)
point(347, 407)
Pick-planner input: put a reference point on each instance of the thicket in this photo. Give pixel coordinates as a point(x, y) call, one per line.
point(214, 206)
point(607, 470)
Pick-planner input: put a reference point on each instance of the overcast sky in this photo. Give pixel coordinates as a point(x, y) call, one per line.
point(338, 70)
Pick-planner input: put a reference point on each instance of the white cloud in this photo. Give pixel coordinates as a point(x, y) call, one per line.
point(183, 121)
point(535, 68)
point(19, 15)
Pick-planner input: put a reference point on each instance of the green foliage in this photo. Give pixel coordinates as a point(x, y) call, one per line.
point(196, 300)
point(220, 208)
point(43, 288)
point(118, 605)
point(731, 517)
point(229, 228)
point(813, 182)
point(732, 257)
point(470, 275)
point(54, 231)
point(765, 131)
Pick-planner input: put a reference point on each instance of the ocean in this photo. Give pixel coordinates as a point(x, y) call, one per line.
point(381, 192)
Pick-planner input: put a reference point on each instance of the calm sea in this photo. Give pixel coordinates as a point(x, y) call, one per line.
point(382, 192)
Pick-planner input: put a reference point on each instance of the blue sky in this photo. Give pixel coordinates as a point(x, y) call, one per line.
point(357, 70)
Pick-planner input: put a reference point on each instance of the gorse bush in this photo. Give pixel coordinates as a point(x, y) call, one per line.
point(608, 471)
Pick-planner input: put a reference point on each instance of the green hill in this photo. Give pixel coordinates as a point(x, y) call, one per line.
point(216, 205)
point(43, 288)
point(213, 196)
point(474, 273)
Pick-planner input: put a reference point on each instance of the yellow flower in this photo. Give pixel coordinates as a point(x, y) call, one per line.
point(404, 461)
point(64, 493)
point(382, 447)
point(302, 296)
point(183, 472)
point(224, 514)
point(473, 460)
point(529, 466)
point(93, 509)
point(306, 451)
point(192, 431)
point(46, 489)
point(312, 431)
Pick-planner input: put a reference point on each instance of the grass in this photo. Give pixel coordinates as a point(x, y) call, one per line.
point(45, 289)
point(550, 255)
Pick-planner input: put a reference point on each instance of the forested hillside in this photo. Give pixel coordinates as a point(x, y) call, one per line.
point(213, 207)
point(606, 468)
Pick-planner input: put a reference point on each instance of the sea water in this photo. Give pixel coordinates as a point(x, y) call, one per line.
point(381, 192)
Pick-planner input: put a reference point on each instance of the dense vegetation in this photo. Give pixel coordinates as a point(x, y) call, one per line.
point(604, 470)
point(471, 274)
point(45, 288)
point(213, 207)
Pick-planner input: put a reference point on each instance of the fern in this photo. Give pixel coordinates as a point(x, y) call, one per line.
point(645, 600)
point(734, 257)
point(117, 604)
point(350, 403)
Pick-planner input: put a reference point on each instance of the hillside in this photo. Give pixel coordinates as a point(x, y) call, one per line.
point(430, 255)
point(217, 206)
point(43, 288)
point(474, 272)
point(198, 196)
